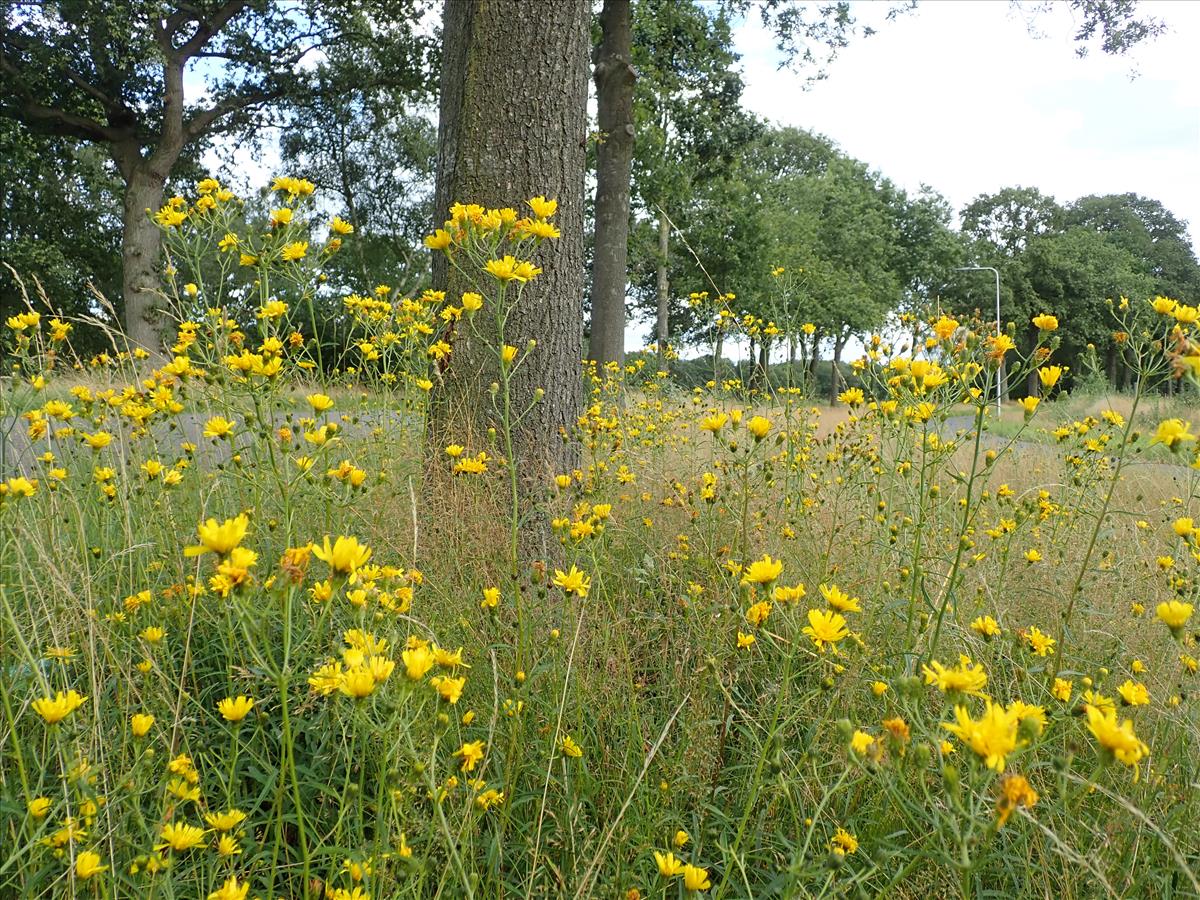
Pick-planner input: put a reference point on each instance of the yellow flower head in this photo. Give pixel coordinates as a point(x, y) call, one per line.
point(1172, 433)
point(570, 748)
point(471, 754)
point(180, 837)
point(54, 709)
point(695, 878)
point(668, 865)
point(87, 865)
point(992, 737)
point(345, 555)
point(965, 678)
point(319, 402)
point(1014, 791)
point(439, 240)
point(1045, 322)
point(759, 427)
point(1175, 613)
point(234, 709)
point(418, 661)
point(220, 538)
point(762, 571)
point(572, 582)
point(843, 842)
point(1116, 737)
point(543, 208)
point(986, 627)
point(826, 627)
point(231, 890)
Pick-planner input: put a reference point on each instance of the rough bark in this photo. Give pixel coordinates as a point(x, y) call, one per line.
point(662, 322)
point(614, 76)
point(140, 245)
point(513, 126)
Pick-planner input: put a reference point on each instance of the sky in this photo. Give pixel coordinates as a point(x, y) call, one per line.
point(958, 95)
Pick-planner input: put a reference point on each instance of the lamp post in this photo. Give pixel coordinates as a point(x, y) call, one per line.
point(1000, 369)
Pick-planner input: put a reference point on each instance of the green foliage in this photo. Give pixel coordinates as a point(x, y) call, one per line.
point(376, 162)
point(58, 225)
point(1072, 259)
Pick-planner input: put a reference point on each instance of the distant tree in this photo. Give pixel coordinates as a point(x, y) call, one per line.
point(615, 77)
point(123, 76)
point(1150, 232)
point(58, 225)
point(373, 161)
point(690, 129)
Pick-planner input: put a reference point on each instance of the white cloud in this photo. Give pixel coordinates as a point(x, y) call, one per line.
point(959, 95)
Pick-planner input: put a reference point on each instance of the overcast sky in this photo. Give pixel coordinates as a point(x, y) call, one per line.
point(959, 96)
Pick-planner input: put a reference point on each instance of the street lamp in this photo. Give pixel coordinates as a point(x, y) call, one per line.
point(1000, 369)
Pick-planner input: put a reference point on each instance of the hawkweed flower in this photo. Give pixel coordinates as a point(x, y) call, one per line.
point(843, 842)
point(993, 736)
point(345, 556)
point(235, 709)
point(1175, 614)
point(1116, 738)
point(668, 865)
point(573, 582)
point(826, 628)
point(180, 837)
point(965, 678)
point(219, 537)
point(54, 709)
point(231, 889)
point(87, 865)
point(471, 754)
point(569, 747)
point(695, 878)
point(762, 571)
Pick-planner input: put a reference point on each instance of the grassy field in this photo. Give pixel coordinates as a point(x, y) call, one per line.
point(260, 638)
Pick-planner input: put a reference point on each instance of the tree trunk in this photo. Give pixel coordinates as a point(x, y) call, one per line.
point(513, 125)
point(764, 363)
point(140, 245)
point(835, 372)
point(614, 76)
point(662, 325)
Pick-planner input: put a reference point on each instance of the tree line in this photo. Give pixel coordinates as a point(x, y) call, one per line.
point(704, 219)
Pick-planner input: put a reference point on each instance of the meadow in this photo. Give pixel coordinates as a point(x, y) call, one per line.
point(264, 634)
